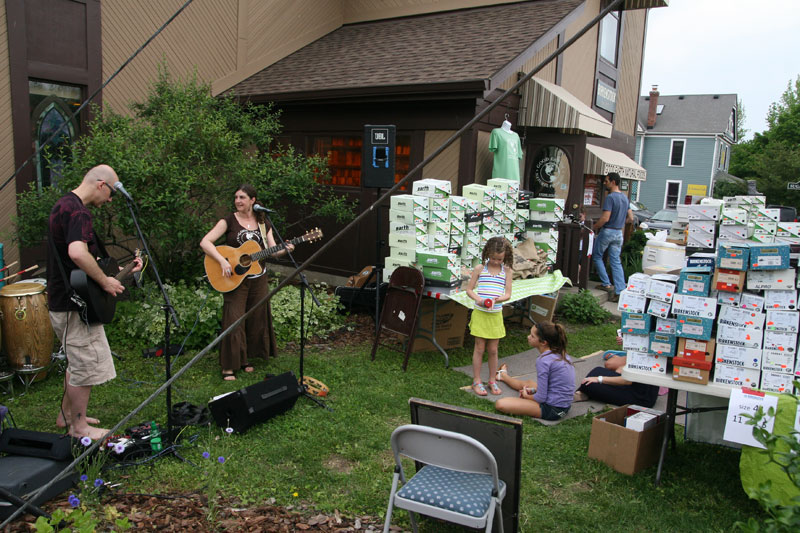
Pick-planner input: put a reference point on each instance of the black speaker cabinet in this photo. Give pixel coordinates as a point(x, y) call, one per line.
point(378, 156)
point(21, 475)
point(257, 403)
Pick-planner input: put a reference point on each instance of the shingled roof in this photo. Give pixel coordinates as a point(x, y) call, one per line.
point(467, 46)
point(690, 113)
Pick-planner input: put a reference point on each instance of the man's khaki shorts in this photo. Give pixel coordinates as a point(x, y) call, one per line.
point(89, 360)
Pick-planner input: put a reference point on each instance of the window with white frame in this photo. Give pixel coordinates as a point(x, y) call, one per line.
point(676, 152)
point(672, 194)
point(609, 37)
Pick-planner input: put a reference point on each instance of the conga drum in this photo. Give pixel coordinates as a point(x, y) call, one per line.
point(27, 333)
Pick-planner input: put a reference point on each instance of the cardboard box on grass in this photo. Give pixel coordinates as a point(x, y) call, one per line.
point(625, 450)
point(451, 324)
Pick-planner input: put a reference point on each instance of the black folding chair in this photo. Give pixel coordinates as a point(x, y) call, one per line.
point(401, 309)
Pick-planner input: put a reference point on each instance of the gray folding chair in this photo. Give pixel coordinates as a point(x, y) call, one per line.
point(458, 483)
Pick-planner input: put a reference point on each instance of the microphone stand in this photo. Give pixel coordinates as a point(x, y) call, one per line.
point(303, 286)
point(169, 316)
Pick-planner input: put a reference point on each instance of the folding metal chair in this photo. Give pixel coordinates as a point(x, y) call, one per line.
point(459, 482)
point(401, 309)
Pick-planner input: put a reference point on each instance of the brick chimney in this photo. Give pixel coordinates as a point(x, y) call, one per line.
point(651, 113)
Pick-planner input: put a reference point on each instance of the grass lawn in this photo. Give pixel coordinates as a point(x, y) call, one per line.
point(341, 460)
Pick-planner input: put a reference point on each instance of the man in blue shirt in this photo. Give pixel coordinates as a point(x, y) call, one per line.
point(609, 226)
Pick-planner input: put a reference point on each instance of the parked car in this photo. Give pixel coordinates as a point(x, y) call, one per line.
point(640, 213)
point(788, 214)
point(662, 219)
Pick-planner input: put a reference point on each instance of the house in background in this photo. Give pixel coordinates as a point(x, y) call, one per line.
point(684, 142)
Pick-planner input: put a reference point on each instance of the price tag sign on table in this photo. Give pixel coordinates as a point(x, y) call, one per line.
point(745, 401)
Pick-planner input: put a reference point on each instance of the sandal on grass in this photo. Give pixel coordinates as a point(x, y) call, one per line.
point(479, 388)
point(494, 388)
point(228, 376)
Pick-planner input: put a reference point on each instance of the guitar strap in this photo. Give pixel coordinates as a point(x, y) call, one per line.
point(264, 242)
point(83, 309)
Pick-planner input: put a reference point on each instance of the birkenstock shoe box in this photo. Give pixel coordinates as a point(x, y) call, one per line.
point(408, 202)
point(751, 301)
point(691, 327)
point(666, 326)
point(786, 300)
point(658, 309)
point(768, 256)
point(736, 376)
point(625, 450)
point(638, 283)
point(692, 370)
point(727, 280)
point(771, 280)
point(776, 361)
point(739, 336)
point(663, 291)
point(733, 255)
point(780, 341)
point(738, 356)
point(776, 382)
point(645, 362)
point(782, 321)
point(697, 306)
point(694, 281)
point(662, 344)
point(732, 299)
point(741, 318)
point(632, 303)
point(636, 323)
point(432, 188)
point(694, 349)
point(635, 342)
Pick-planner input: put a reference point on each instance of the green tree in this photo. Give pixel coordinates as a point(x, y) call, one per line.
point(741, 115)
point(772, 158)
point(181, 153)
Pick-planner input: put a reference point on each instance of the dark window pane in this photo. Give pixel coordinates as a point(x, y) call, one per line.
point(676, 159)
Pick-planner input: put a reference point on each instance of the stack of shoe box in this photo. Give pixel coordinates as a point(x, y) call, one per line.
point(542, 227)
point(702, 228)
point(648, 330)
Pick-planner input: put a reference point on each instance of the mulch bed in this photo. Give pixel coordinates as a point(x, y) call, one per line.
point(178, 512)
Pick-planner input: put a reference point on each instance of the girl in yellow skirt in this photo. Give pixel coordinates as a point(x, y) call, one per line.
point(489, 286)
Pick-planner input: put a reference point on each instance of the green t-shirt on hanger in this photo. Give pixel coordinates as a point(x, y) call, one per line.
point(507, 151)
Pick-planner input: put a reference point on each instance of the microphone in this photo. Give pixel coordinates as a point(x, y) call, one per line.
point(258, 207)
point(121, 188)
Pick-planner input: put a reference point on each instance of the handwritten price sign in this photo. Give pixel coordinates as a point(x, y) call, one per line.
point(746, 402)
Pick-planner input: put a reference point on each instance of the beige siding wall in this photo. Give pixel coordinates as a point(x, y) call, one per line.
point(548, 73)
point(445, 165)
point(361, 10)
point(202, 36)
point(484, 159)
point(630, 71)
point(8, 205)
point(580, 59)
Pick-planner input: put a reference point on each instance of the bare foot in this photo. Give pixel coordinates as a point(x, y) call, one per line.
point(502, 371)
point(580, 396)
point(60, 422)
point(91, 432)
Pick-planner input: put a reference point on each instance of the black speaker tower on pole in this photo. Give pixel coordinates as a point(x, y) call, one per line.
point(377, 171)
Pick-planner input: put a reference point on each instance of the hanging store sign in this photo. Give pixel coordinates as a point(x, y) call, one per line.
point(606, 97)
point(551, 173)
point(793, 186)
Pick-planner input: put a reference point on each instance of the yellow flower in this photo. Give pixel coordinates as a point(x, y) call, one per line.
point(294, 494)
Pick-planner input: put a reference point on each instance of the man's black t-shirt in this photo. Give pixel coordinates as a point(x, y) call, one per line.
point(70, 221)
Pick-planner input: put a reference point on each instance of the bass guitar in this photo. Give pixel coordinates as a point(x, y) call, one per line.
point(245, 260)
point(100, 305)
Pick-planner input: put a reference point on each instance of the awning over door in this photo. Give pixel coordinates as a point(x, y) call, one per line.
point(644, 4)
point(603, 160)
point(546, 105)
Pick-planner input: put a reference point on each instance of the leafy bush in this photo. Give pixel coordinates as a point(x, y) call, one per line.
point(583, 308)
point(140, 322)
point(782, 518)
point(319, 320)
point(631, 254)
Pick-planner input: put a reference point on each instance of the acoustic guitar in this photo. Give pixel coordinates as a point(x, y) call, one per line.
point(245, 260)
point(100, 305)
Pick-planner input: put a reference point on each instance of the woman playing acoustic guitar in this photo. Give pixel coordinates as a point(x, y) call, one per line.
point(255, 337)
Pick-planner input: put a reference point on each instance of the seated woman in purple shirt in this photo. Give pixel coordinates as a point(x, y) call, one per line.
point(551, 395)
